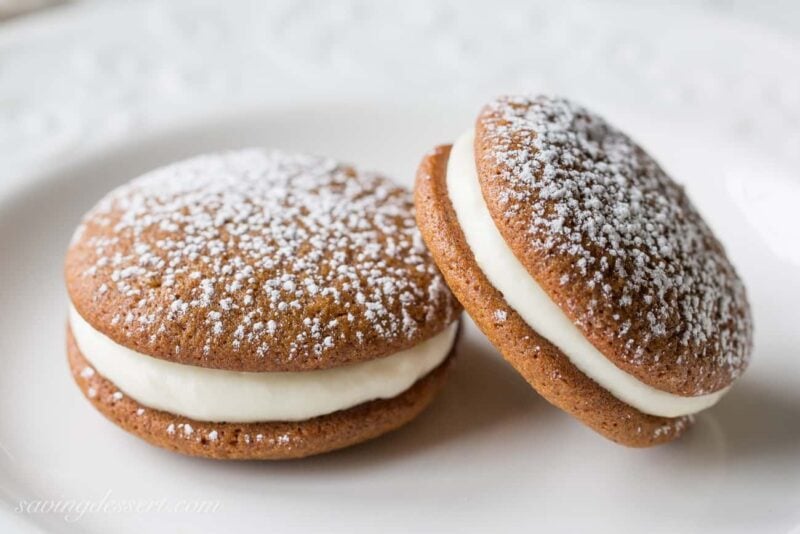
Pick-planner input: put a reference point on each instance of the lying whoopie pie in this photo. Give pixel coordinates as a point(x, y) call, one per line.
point(587, 267)
point(257, 305)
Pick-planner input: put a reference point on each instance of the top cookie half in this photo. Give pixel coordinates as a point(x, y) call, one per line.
point(614, 242)
point(258, 261)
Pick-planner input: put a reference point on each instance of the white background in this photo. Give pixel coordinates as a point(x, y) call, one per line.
point(93, 93)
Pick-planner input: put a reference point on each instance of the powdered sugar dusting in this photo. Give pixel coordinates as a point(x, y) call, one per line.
point(677, 426)
point(265, 253)
point(582, 190)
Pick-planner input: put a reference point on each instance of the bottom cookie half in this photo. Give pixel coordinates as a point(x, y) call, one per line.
point(254, 441)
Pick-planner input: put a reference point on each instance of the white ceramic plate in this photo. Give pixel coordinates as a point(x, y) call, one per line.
point(489, 454)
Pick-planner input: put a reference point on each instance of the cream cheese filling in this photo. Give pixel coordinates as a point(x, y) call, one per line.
point(505, 272)
point(228, 396)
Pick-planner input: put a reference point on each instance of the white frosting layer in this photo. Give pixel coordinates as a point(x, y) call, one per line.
point(229, 396)
point(505, 272)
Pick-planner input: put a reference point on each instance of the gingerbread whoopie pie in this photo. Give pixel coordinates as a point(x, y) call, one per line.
point(257, 305)
point(586, 266)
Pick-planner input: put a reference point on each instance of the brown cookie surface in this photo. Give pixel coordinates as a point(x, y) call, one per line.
point(253, 441)
point(615, 243)
point(258, 260)
point(543, 365)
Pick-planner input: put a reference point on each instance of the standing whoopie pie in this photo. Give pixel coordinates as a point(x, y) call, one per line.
point(587, 267)
point(257, 305)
